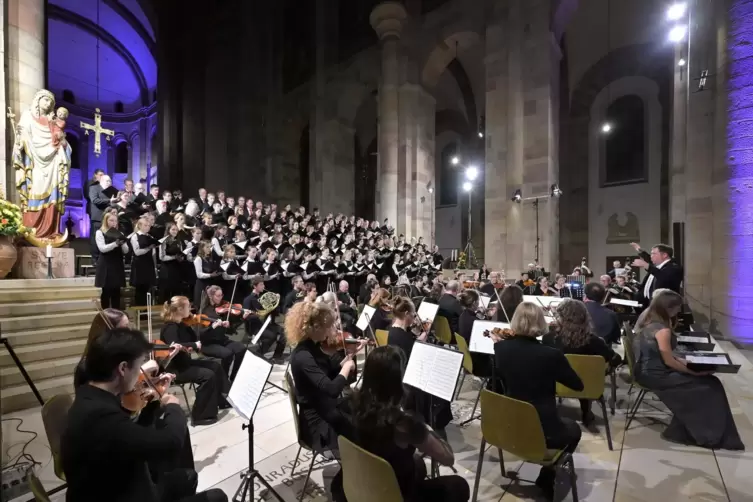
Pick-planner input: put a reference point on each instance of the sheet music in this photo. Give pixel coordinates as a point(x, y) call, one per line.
point(242, 244)
point(692, 339)
point(480, 343)
point(258, 334)
point(543, 301)
point(162, 240)
point(366, 316)
point(627, 303)
point(707, 359)
point(427, 311)
point(225, 266)
point(485, 300)
point(248, 385)
point(433, 369)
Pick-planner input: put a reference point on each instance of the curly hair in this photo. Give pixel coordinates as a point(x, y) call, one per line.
point(305, 319)
point(573, 323)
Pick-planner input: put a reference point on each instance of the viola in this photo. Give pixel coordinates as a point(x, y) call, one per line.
point(198, 320)
point(137, 399)
point(340, 340)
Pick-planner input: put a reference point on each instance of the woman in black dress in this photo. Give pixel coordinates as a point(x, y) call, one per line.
point(110, 274)
point(383, 427)
point(143, 275)
point(698, 402)
point(380, 300)
point(171, 256)
point(214, 340)
point(207, 271)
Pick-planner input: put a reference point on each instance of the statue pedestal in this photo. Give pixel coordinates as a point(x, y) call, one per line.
point(32, 263)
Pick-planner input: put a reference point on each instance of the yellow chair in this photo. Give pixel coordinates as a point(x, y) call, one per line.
point(590, 369)
point(381, 337)
point(627, 343)
point(442, 330)
point(514, 426)
point(468, 368)
point(290, 388)
point(40, 495)
point(55, 420)
point(366, 477)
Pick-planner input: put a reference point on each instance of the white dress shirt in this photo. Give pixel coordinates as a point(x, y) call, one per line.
point(650, 281)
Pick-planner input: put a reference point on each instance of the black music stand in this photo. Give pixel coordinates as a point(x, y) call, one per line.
point(21, 368)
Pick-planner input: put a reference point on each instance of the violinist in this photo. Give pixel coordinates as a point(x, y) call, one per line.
point(214, 340)
point(207, 374)
point(543, 289)
point(206, 270)
point(105, 454)
point(170, 256)
point(469, 300)
point(272, 335)
point(494, 284)
point(143, 276)
point(295, 295)
point(102, 322)
point(511, 297)
point(561, 287)
point(380, 301)
point(400, 333)
point(525, 283)
point(366, 290)
point(449, 306)
point(110, 274)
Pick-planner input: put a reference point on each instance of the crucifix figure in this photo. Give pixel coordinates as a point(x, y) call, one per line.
point(98, 129)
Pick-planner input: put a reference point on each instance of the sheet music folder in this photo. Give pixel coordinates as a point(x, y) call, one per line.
point(696, 340)
point(248, 385)
point(433, 369)
point(718, 362)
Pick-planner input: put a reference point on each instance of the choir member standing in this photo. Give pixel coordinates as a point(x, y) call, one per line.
point(110, 276)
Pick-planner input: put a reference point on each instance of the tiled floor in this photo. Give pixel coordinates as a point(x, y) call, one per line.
point(642, 467)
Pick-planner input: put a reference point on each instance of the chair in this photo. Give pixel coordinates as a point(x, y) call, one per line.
point(381, 337)
point(514, 426)
point(55, 420)
point(366, 477)
point(627, 342)
point(590, 369)
point(40, 495)
point(442, 330)
point(468, 368)
point(290, 387)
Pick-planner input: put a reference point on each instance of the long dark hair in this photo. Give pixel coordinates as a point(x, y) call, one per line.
point(659, 310)
point(573, 323)
point(377, 405)
point(511, 297)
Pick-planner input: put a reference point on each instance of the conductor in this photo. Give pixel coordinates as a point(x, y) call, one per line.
point(663, 271)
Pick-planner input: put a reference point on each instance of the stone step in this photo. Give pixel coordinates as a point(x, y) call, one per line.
point(44, 335)
point(20, 397)
point(38, 371)
point(74, 282)
point(33, 308)
point(32, 322)
point(43, 352)
point(47, 294)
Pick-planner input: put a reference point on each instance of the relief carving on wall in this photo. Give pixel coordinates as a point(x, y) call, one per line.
point(620, 233)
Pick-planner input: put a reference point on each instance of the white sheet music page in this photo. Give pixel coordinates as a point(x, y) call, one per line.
point(480, 343)
point(691, 339)
point(427, 311)
point(258, 334)
point(543, 301)
point(707, 359)
point(627, 303)
point(366, 316)
point(433, 369)
point(248, 385)
point(484, 301)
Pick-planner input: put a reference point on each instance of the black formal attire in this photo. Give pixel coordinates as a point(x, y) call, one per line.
point(205, 270)
point(143, 275)
point(110, 275)
point(606, 323)
point(272, 335)
point(529, 372)
point(450, 309)
point(488, 290)
point(105, 455)
point(170, 277)
point(380, 320)
point(322, 413)
point(550, 291)
point(291, 299)
point(666, 276)
point(399, 337)
point(482, 364)
point(99, 201)
point(215, 343)
point(364, 294)
point(207, 374)
point(87, 186)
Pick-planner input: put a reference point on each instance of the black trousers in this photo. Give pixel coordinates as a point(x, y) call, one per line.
point(211, 382)
point(229, 353)
point(93, 227)
point(180, 486)
point(273, 334)
point(110, 298)
point(139, 295)
point(568, 440)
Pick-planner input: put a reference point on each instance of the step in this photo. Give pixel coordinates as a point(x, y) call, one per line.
point(73, 282)
point(44, 335)
point(31, 308)
point(38, 371)
point(23, 323)
point(43, 352)
point(20, 397)
point(45, 294)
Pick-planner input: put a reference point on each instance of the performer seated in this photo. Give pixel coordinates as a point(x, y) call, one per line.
point(207, 374)
point(494, 283)
point(561, 287)
point(295, 295)
point(469, 300)
point(571, 333)
point(449, 306)
point(385, 429)
point(104, 453)
point(701, 414)
point(380, 301)
point(214, 340)
point(529, 372)
point(272, 335)
point(605, 322)
point(605, 281)
point(543, 289)
point(526, 283)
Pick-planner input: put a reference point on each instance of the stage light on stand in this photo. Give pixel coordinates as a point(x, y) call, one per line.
point(677, 11)
point(467, 186)
point(480, 134)
point(555, 191)
point(677, 34)
point(471, 173)
point(682, 62)
point(606, 128)
point(455, 160)
point(517, 196)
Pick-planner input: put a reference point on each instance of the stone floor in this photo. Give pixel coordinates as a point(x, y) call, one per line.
point(642, 467)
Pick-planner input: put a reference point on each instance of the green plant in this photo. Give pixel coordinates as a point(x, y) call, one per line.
point(11, 223)
point(461, 260)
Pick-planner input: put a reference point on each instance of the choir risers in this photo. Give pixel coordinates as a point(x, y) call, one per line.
point(32, 308)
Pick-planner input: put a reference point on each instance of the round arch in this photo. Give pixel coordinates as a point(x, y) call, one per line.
point(444, 52)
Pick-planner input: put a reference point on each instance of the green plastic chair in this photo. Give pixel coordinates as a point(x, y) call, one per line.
point(366, 477)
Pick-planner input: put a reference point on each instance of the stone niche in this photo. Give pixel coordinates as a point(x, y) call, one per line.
point(32, 263)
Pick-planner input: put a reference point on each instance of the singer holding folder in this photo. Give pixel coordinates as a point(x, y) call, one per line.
point(701, 414)
point(110, 268)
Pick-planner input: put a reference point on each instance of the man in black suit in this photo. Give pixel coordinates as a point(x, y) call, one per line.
point(153, 197)
point(605, 322)
point(106, 455)
point(663, 272)
point(449, 305)
point(87, 186)
point(101, 198)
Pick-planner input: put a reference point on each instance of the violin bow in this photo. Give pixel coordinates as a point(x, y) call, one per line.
point(232, 297)
point(101, 313)
point(149, 320)
point(499, 301)
point(339, 321)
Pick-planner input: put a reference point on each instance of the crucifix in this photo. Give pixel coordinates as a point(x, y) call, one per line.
point(97, 129)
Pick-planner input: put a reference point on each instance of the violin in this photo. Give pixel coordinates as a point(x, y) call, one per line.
point(137, 399)
point(198, 320)
point(234, 309)
point(502, 333)
point(529, 282)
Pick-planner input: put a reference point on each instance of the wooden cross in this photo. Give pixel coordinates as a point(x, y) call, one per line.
point(97, 129)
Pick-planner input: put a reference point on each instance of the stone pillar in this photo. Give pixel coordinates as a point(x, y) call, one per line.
point(387, 20)
point(143, 151)
point(132, 156)
point(25, 59)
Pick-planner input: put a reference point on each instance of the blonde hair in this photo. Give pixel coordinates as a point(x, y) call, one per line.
point(141, 222)
point(226, 251)
point(171, 309)
point(528, 320)
point(380, 297)
point(305, 319)
point(105, 225)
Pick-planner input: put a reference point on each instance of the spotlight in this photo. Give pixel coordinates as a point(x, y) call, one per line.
point(517, 196)
point(480, 134)
point(431, 190)
point(682, 62)
point(471, 173)
point(677, 34)
point(555, 191)
point(606, 128)
point(467, 186)
point(429, 187)
point(676, 11)
point(455, 160)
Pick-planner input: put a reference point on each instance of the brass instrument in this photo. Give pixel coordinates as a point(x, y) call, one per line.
point(269, 301)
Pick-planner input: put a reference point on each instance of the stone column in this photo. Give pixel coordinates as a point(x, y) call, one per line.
point(132, 155)
point(25, 59)
point(387, 20)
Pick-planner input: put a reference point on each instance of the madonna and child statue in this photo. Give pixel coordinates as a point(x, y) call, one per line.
point(42, 162)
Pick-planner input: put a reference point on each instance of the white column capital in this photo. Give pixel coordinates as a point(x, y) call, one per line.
point(388, 19)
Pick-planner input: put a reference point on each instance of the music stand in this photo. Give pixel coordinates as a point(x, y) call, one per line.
point(255, 339)
point(244, 397)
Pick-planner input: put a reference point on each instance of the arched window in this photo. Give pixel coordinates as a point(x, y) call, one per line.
point(73, 141)
point(119, 107)
point(69, 97)
point(121, 158)
point(625, 145)
point(448, 177)
point(303, 166)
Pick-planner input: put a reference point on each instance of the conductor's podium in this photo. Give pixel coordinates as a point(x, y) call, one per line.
point(46, 322)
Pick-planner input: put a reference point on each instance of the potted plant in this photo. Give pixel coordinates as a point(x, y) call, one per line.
point(11, 225)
